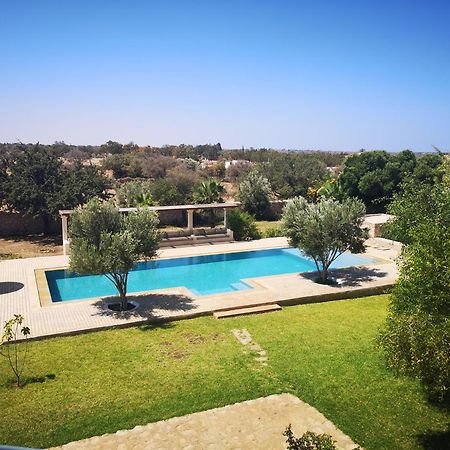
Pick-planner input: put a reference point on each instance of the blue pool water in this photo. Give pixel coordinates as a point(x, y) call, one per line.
point(202, 275)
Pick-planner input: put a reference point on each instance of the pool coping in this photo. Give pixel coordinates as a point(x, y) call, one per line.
point(45, 298)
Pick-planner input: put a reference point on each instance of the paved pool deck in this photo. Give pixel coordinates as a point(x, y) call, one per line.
point(19, 292)
point(265, 421)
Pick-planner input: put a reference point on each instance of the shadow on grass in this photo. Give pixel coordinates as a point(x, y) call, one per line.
point(155, 326)
point(6, 287)
point(25, 381)
point(435, 440)
point(349, 276)
point(148, 304)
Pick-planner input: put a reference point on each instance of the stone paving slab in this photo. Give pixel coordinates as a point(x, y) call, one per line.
point(250, 425)
point(19, 293)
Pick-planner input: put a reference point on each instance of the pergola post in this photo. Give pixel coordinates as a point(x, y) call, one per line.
point(225, 218)
point(190, 224)
point(65, 234)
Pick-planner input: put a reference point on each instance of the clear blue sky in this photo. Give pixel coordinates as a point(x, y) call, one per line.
point(285, 74)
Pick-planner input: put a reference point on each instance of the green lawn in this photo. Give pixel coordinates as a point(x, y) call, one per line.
point(264, 225)
point(323, 353)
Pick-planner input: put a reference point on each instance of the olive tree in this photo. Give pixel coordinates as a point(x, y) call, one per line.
point(254, 194)
point(106, 242)
point(325, 230)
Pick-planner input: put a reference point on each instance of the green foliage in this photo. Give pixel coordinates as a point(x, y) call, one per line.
point(291, 174)
point(273, 232)
point(135, 193)
point(325, 230)
point(309, 441)
point(375, 177)
point(184, 180)
point(106, 242)
point(124, 165)
point(111, 147)
point(243, 225)
point(416, 337)
point(417, 200)
point(9, 346)
point(38, 184)
point(254, 195)
point(165, 193)
point(209, 191)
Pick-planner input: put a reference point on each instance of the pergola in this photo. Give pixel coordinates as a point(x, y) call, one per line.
point(66, 213)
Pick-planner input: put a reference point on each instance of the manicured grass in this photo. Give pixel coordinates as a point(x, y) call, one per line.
point(323, 353)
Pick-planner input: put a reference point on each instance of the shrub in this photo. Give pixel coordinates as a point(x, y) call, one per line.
point(309, 441)
point(273, 232)
point(135, 193)
point(416, 336)
point(123, 166)
point(243, 226)
point(165, 193)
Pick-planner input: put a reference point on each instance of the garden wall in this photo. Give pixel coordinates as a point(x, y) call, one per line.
point(14, 224)
point(276, 208)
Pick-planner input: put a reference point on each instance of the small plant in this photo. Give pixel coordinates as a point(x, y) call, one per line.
point(243, 226)
point(308, 441)
point(9, 346)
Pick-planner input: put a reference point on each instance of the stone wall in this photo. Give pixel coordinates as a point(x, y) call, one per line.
point(14, 224)
point(276, 208)
point(170, 217)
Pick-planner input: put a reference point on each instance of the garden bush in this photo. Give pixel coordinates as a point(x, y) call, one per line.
point(308, 441)
point(273, 232)
point(243, 225)
point(416, 337)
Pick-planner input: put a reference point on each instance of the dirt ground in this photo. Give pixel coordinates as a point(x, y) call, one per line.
point(30, 246)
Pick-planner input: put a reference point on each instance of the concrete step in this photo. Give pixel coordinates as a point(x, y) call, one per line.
point(245, 311)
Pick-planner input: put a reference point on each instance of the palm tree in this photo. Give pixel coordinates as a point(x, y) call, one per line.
point(209, 191)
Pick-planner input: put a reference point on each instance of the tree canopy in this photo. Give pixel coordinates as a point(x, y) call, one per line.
point(106, 242)
point(254, 195)
point(325, 230)
point(36, 182)
point(291, 174)
point(375, 177)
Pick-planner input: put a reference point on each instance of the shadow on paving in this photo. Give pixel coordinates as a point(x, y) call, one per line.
point(148, 303)
point(6, 287)
point(350, 276)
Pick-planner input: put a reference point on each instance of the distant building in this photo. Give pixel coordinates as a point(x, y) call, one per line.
point(233, 162)
point(335, 170)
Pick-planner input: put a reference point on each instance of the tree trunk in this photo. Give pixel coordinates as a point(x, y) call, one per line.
point(123, 298)
point(324, 274)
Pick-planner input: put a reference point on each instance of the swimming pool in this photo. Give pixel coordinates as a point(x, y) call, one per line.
point(202, 275)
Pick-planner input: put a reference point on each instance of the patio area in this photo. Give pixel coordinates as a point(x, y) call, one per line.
point(266, 420)
point(19, 292)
